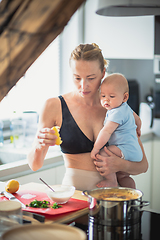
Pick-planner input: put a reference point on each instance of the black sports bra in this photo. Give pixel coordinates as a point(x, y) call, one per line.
point(74, 140)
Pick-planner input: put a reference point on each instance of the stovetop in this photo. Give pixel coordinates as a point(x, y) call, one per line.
point(150, 226)
point(147, 229)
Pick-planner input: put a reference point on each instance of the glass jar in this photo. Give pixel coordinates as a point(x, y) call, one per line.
point(18, 127)
point(10, 215)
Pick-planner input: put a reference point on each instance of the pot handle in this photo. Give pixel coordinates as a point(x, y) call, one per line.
point(85, 193)
point(91, 200)
point(143, 204)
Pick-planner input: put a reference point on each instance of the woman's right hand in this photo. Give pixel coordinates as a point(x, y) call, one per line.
point(46, 137)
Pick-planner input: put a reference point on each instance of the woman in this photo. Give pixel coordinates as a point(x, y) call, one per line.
point(80, 117)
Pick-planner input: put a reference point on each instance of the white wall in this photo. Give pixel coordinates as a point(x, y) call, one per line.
point(71, 37)
point(120, 37)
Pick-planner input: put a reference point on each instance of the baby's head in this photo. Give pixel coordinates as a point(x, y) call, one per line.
point(114, 91)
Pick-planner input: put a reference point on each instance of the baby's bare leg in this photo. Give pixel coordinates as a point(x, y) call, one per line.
point(125, 180)
point(110, 180)
point(115, 150)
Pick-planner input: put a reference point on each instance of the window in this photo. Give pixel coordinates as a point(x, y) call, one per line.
point(40, 82)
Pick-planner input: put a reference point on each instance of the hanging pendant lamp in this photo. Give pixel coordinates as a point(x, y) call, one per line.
point(128, 7)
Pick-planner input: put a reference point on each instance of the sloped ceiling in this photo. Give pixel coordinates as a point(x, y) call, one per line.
point(27, 27)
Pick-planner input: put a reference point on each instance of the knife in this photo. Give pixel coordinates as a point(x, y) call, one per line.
point(36, 216)
point(12, 198)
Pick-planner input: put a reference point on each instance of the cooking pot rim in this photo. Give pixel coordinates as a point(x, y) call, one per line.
point(140, 193)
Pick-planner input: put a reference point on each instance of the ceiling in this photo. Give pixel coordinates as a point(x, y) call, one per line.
point(27, 27)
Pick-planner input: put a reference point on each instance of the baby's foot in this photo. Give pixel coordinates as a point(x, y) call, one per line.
point(107, 183)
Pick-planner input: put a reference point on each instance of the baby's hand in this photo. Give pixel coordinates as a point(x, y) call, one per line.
point(94, 153)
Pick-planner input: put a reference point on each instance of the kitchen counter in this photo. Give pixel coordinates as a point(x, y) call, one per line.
point(20, 168)
point(9, 153)
point(146, 229)
point(53, 159)
point(62, 218)
point(147, 136)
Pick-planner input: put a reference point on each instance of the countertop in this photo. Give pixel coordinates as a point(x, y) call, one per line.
point(9, 154)
point(53, 158)
point(63, 218)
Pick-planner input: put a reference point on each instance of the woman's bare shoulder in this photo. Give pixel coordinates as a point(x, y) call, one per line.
point(55, 102)
point(52, 103)
point(68, 96)
point(51, 112)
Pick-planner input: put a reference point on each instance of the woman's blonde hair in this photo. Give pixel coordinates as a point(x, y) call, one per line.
point(89, 52)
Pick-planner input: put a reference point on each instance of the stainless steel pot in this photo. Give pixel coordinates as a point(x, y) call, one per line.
point(119, 212)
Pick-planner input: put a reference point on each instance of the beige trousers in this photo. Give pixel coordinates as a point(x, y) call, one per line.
point(81, 179)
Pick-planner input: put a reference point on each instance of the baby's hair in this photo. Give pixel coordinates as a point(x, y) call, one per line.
point(118, 78)
point(89, 52)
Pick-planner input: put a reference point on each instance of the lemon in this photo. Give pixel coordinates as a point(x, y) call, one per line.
point(58, 140)
point(12, 186)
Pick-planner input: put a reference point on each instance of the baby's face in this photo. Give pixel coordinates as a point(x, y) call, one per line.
point(111, 96)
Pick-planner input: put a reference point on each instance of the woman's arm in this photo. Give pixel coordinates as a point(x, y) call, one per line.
point(138, 123)
point(44, 137)
point(111, 163)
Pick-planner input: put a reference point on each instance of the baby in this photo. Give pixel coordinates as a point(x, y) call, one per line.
point(119, 129)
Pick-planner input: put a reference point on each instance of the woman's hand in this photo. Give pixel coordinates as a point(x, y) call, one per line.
point(110, 163)
point(107, 164)
point(46, 137)
point(138, 123)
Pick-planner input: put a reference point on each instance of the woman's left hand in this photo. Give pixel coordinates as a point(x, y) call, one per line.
point(107, 164)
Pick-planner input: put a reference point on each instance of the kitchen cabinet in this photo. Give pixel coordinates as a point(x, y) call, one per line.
point(51, 176)
point(120, 37)
point(156, 174)
point(143, 181)
point(148, 182)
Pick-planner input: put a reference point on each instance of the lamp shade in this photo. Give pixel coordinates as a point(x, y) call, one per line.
point(128, 7)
